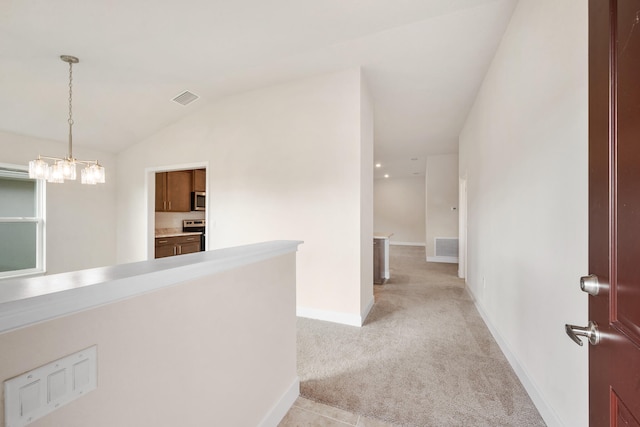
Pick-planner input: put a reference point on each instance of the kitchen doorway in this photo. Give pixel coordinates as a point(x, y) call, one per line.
point(177, 208)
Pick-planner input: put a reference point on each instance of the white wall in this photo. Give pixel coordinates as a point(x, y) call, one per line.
point(366, 200)
point(284, 162)
point(399, 208)
point(184, 355)
point(80, 219)
point(442, 195)
point(524, 153)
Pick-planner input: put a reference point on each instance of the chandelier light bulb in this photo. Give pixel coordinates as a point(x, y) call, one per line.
point(93, 174)
point(38, 169)
point(86, 176)
point(56, 174)
point(68, 167)
point(98, 173)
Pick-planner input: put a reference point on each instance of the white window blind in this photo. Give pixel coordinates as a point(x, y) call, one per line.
point(21, 223)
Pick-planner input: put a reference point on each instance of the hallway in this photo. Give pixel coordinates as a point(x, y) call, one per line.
point(423, 358)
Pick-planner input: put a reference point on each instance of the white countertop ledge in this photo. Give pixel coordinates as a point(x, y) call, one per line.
point(27, 301)
point(377, 235)
point(178, 234)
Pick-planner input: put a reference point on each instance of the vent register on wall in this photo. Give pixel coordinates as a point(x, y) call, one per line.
point(445, 250)
point(446, 247)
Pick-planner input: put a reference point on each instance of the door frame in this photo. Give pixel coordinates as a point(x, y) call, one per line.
point(150, 185)
point(462, 227)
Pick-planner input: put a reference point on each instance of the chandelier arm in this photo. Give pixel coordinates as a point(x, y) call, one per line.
point(87, 162)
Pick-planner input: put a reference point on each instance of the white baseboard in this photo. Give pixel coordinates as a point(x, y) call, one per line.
point(391, 242)
point(330, 316)
point(366, 310)
point(447, 259)
point(548, 414)
point(280, 409)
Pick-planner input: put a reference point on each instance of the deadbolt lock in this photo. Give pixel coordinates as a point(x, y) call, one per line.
point(590, 284)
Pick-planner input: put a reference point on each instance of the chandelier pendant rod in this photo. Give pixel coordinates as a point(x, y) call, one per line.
point(71, 60)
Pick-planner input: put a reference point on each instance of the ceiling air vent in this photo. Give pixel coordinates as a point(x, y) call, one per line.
point(186, 98)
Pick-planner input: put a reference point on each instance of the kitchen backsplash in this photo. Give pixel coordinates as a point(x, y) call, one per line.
point(174, 219)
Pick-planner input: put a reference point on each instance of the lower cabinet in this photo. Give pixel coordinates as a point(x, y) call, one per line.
point(180, 245)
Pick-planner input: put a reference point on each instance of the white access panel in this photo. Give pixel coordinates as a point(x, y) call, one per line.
point(36, 393)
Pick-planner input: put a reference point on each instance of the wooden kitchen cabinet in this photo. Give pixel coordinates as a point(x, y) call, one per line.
point(173, 191)
point(165, 248)
point(190, 247)
point(199, 180)
point(161, 192)
point(179, 245)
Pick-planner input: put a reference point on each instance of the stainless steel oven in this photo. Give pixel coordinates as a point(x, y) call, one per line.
point(196, 225)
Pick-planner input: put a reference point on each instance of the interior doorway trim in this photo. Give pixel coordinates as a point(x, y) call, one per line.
point(150, 185)
point(462, 228)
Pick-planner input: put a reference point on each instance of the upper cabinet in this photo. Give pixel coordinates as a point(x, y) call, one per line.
point(199, 180)
point(173, 191)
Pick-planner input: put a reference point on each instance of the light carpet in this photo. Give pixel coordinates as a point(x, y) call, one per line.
point(423, 358)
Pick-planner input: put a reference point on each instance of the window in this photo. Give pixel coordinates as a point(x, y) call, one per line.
point(21, 223)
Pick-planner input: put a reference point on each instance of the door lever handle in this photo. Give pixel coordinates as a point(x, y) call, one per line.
point(590, 332)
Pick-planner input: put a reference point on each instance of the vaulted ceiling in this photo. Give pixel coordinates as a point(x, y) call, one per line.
point(424, 61)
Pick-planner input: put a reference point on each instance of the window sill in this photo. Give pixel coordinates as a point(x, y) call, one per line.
point(23, 274)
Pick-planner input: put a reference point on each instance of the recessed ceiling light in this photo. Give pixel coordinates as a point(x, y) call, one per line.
point(386, 175)
point(378, 165)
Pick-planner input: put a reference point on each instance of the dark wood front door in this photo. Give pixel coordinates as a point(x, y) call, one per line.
point(614, 210)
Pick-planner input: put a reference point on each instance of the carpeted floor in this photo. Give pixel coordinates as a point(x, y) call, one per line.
point(423, 358)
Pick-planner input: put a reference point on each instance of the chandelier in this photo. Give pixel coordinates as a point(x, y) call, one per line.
point(64, 168)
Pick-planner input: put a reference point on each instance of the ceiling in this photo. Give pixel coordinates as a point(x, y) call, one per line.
point(423, 60)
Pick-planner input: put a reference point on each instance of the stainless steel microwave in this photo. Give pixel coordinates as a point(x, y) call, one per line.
point(198, 200)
